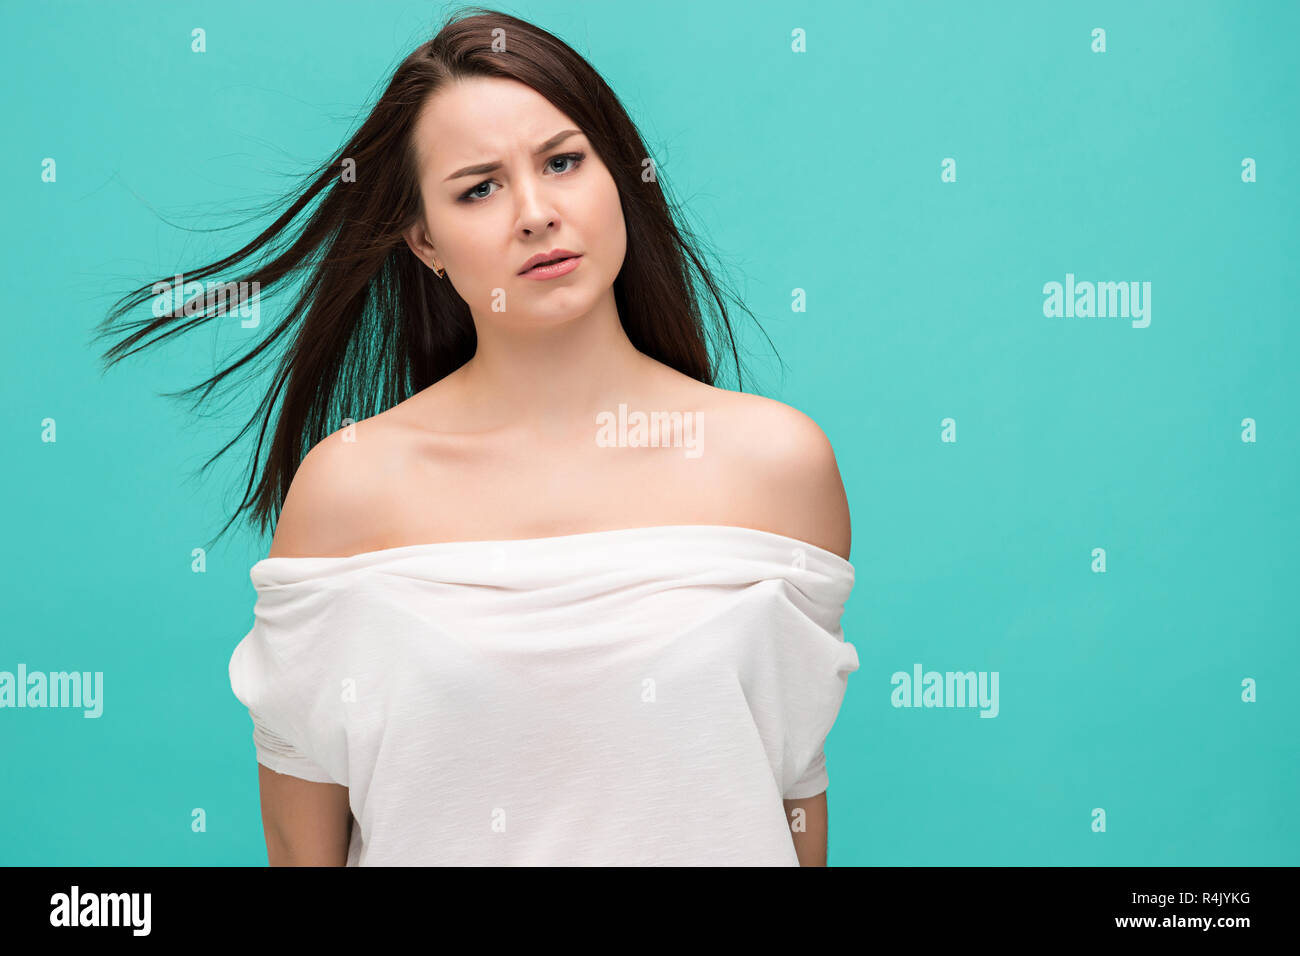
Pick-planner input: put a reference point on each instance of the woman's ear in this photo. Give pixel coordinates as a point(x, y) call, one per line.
point(417, 240)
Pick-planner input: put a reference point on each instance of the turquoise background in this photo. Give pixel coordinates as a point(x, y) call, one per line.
point(818, 171)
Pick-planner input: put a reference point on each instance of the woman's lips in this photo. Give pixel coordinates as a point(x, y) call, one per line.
point(554, 269)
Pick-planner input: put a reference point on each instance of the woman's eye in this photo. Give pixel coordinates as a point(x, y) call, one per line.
point(573, 157)
point(472, 195)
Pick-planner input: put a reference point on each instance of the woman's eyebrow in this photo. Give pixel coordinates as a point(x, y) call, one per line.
point(492, 167)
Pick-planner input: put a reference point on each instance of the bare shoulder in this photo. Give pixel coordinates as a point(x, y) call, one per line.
point(335, 494)
point(788, 462)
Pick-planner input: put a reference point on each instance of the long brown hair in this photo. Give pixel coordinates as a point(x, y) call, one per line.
point(376, 326)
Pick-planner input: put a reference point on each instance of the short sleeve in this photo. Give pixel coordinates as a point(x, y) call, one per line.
point(814, 682)
point(812, 781)
point(277, 753)
point(256, 678)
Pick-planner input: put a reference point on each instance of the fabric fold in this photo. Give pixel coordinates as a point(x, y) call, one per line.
point(580, 699)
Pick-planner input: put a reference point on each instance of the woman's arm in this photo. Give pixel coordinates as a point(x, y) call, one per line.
point(807, 821)
point(808, 493)
point(306, 823)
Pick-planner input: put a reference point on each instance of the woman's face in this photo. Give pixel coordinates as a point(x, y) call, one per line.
point(482, 226)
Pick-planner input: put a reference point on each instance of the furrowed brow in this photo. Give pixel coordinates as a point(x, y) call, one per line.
point(481, 168)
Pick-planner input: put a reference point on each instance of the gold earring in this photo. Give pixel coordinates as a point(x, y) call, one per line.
point(437, 273)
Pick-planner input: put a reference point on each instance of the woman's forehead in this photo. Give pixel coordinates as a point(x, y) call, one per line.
point(483, 120)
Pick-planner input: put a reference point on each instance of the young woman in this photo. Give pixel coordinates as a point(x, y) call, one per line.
point(539, 592)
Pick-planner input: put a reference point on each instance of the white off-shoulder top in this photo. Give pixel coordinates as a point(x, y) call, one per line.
point(642, 696)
